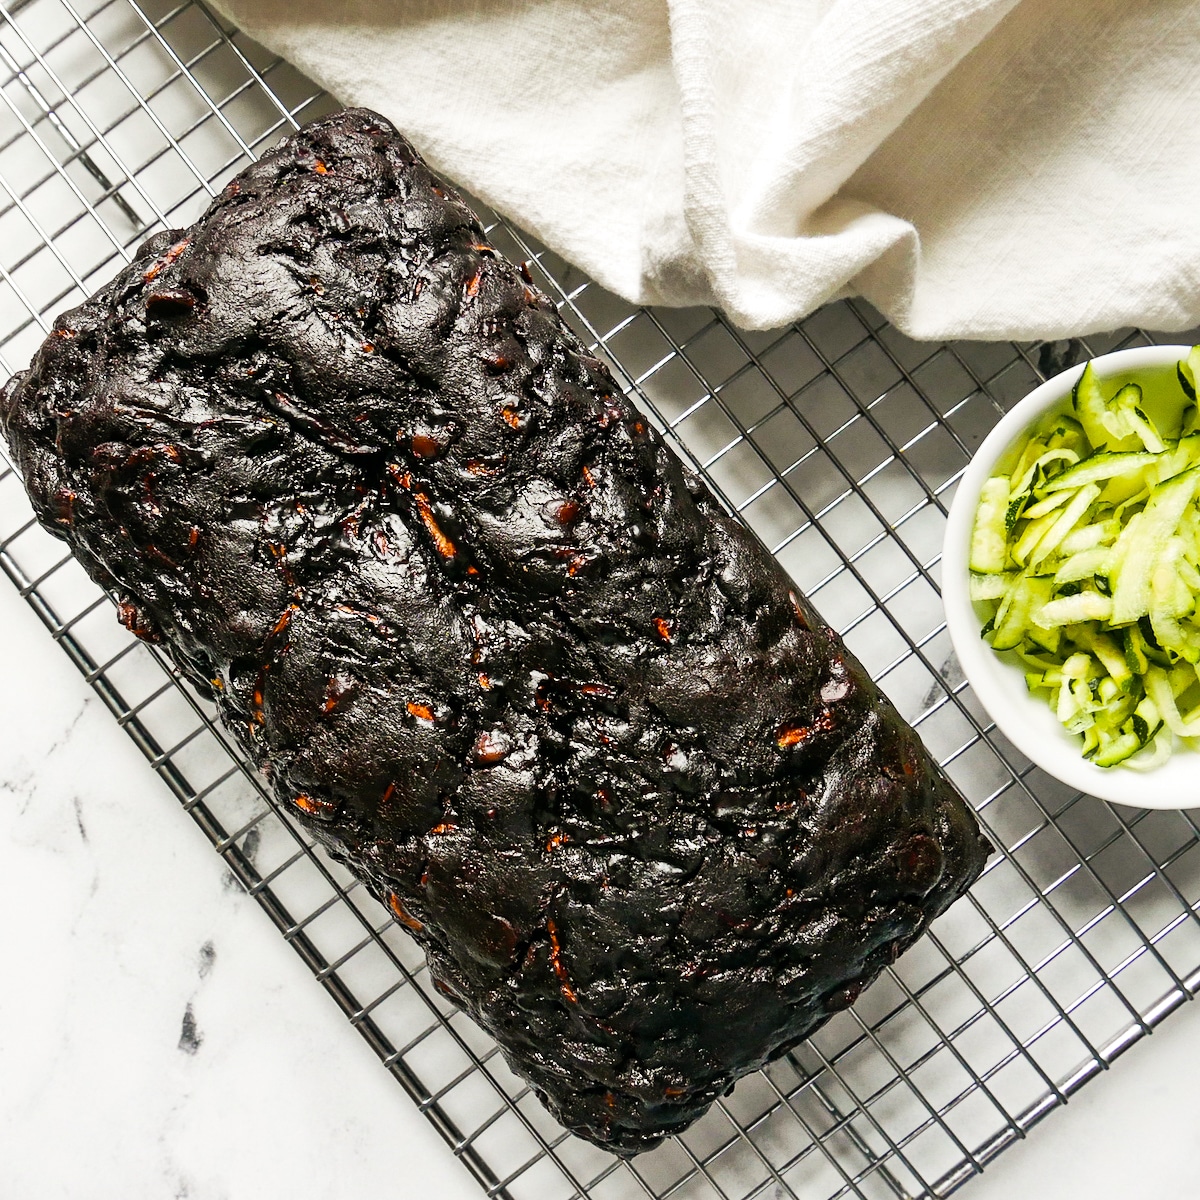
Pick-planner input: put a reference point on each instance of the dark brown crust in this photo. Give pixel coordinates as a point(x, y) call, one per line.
point(507, 659)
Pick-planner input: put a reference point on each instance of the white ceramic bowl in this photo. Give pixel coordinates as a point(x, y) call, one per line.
point(1026, 720)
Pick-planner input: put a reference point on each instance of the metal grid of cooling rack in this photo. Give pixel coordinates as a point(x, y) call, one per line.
point(839, 442)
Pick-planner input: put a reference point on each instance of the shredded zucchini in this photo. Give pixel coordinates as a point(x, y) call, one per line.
point(1085, 558)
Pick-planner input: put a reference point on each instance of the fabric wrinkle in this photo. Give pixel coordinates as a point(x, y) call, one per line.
point(974, 168)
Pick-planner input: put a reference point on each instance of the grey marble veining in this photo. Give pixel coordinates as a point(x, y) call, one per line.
point(157, 1037)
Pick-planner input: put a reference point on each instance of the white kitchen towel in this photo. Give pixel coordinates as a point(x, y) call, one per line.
point(974, 168)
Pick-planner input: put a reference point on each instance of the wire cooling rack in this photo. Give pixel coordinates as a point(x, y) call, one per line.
point(839, 442)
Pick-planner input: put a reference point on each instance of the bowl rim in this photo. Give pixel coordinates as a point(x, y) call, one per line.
point(1024, 720)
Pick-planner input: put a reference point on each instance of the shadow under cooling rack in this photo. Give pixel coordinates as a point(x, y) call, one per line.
point(839, 442)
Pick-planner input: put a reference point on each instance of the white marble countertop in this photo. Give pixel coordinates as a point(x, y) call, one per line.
point(160, 1039)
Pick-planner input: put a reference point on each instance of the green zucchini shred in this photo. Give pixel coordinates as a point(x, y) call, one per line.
point(1085, 564)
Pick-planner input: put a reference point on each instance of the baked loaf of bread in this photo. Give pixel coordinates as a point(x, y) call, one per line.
point(485, 635)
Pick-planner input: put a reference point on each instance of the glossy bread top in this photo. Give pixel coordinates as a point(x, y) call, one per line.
point(482, 631)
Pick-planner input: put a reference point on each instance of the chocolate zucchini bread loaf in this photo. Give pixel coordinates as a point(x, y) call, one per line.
point(485, 635)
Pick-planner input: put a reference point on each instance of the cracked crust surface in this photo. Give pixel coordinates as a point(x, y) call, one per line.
point(650, 821)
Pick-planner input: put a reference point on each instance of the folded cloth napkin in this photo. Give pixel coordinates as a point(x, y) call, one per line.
point(974, 168)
